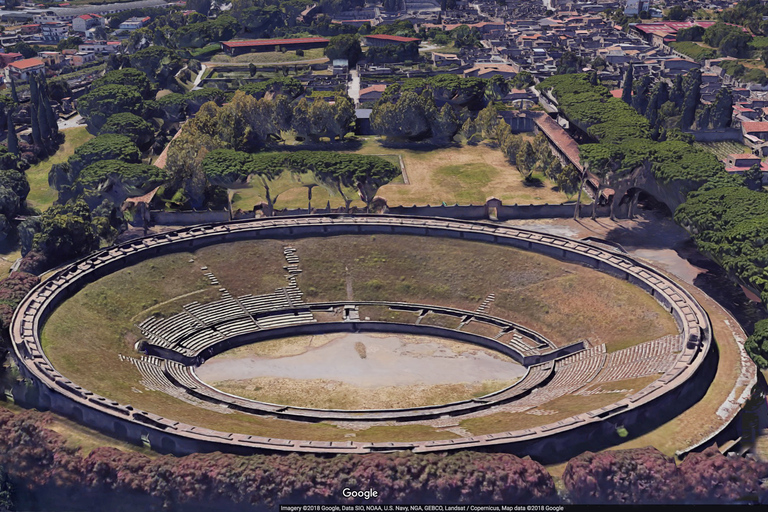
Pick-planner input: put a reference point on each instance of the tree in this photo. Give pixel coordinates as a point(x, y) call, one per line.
point(69, 43)
point(626, 89)
point(130, 77)
point(569, 63)
point(101, 103)
point(406, 118)
point(59, 89)
point(344, 46)
point(522, 80)
point(159, 63)
point(753, 178)
point(104, 147)
point(526, 160)
point(691, 98)
point(132, 126)
point(445, 125)
point(228, 168)
point(201, 6)
point(12, 139)
point(497, 88)
point(721, 109)
point(65, 232)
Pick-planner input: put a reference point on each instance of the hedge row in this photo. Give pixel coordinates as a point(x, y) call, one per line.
point(43, 471)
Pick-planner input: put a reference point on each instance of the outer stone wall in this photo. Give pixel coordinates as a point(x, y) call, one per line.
point(679, 387)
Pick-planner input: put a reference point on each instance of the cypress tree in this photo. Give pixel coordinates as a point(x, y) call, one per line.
point(53, 121)
point(14, 95)
point(42, 121)
point(13, 139)
point(36, 139)
point(33, 94)
point(626, 93)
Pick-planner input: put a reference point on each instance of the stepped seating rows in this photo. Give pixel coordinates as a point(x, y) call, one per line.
point(275, 321)
point(571, 373)
point(645, 359)
point(217, 311)
point(169, 330)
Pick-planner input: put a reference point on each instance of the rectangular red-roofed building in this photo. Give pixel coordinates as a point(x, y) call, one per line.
point(273, 45)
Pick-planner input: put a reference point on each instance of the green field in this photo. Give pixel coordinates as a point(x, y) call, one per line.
point(460, 174)
point(41, 196)
point(696, 51)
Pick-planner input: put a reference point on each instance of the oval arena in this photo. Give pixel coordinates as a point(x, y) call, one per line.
point(638, 381)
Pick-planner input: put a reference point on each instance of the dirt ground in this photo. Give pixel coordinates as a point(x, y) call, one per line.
point(362, 371)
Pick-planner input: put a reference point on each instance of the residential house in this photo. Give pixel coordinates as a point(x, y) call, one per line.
point(135, 23)
point(21, 70)
point(81, 24)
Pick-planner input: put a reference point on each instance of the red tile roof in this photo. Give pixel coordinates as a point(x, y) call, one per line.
point(273, 42)
point(399, 39)
point(754, 126)
point(26, 63)
point(559, 138)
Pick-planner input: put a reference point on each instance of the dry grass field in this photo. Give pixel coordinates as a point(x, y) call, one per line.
point(565, 302)
point(463, 175)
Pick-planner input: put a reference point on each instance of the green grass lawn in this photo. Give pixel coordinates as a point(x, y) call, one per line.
point(41, 196)
point(696, 51)
point(270, 57)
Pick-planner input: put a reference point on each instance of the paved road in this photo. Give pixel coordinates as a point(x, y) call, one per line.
point(353, 87)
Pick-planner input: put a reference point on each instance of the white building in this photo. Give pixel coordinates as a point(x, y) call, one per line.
point(134, 23)
point(103, 47)
point(54, 31)
point(81, 24)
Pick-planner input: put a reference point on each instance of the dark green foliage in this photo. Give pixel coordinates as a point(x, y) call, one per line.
point(158, 62)
point(104, 147)
point(198, 35)
point(98, 105)
point(393, 53)
point(569, 63)
point(753, 178)
point(132, 126)
point(12, 139)
point(694, 33)
point(757, 344)
point(522, 80)
point(730, 40)
point(65, 232)
point(465, 37)
point(409, 117)
point(287, 86)
point(135, 178)
point(59, 89)
point(345, 46)
point(691, 98)
point(127, 76)
point(15, 181)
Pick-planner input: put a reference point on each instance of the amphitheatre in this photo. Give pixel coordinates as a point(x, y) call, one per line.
point(349, 334)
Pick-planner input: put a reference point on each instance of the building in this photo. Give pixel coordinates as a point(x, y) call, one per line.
point(80, 58)
point(23, 69)
point(372, 93)
point(7, 58)
point(31, 28)
point(273, 45)
point(81, 24)
point(102, 47)
point(54, 31)
point(385, 40)
point(635, 7)
point(134, 23)
point(50, 58)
